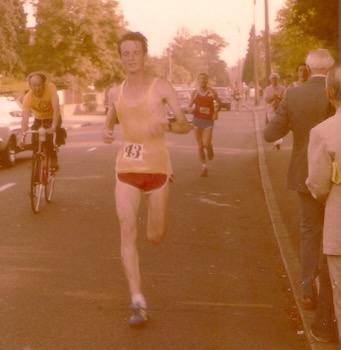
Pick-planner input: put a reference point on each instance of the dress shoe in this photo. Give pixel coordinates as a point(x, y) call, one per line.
point(321, 338)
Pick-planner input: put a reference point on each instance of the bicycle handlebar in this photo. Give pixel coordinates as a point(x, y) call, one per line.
point(41, 132)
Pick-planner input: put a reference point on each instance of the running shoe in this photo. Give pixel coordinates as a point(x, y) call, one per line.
point(139, 317)
point(204, 172)
point(320, 338)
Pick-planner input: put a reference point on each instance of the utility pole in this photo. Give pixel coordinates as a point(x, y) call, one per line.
point(170, 70)
point(239, 62)
point(255, 56)
point(267, 41)
point(240, 85)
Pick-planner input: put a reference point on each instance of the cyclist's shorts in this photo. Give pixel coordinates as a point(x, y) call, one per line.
point(144, 182)
point(201, 123)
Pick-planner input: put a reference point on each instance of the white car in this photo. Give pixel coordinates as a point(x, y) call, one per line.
point(10, 125)
point(184, 96)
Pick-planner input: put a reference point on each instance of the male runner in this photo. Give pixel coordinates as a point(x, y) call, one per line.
point(206, 107)
point(143, 164)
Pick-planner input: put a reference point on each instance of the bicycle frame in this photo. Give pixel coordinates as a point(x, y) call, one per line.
point(42, 176)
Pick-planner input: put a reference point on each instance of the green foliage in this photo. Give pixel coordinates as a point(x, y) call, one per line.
point(304, 25)
point(319, 19)
point(297, 46)
point(198, 53)
point(75, 41)
point(255, 51)
point(77, 38)
point(13, 37)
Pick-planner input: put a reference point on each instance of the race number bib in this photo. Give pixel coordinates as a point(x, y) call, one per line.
point(133, 151)
point(204, 110)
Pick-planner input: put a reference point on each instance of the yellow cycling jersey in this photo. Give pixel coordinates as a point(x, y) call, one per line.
point(41, 106)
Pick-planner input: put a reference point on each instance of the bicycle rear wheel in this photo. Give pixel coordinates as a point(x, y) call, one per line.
point(36, 182)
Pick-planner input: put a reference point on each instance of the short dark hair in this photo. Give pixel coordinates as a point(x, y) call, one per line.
point(204, 74)
point(39, 74)
point(301, 65)
point(134, 36)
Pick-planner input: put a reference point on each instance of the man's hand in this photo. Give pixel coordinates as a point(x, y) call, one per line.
point(108, 136)
point(50, 130)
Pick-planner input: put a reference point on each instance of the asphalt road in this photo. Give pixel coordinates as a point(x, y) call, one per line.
point(216, 283)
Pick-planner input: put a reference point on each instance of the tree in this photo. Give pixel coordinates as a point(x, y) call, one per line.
point(302, 26)
point(319, 19)
point(199, 53)
point(248, 75)
point(77, 39)
point(13, 37)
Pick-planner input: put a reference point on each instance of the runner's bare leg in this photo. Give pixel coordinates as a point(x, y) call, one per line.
point(157, 204)
point(127, 204)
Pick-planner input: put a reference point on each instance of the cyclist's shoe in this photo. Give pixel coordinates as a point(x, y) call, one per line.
point(139, 317)
point(54, 164)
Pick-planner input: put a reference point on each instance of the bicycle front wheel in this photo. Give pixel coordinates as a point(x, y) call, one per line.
point(37, 185)
point(49, 186)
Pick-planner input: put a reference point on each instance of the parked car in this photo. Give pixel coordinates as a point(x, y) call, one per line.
point(224, 96)
point(10, 125)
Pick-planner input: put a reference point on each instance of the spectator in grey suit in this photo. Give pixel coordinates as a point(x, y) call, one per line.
point(302, 109)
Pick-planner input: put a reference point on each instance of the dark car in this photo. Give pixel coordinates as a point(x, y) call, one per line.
point(224, 97)
point(10, 125)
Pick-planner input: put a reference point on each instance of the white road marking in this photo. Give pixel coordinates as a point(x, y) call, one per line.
point(5, 187)
point(248, 305)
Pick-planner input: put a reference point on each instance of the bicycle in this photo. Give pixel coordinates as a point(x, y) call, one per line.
point(42, 175)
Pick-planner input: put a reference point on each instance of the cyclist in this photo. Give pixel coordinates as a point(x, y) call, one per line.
point(43, 102)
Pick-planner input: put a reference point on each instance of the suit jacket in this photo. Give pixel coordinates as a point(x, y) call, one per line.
point(324, 178)
point(302, 108)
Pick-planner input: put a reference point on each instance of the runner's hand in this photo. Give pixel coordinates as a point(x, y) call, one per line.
point(157, 129)
point(50, 130)
point(108, 136)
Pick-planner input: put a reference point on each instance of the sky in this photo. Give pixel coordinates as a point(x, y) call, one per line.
point(159, 21)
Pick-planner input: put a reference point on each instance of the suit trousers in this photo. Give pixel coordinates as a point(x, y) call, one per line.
point(314, 265)
point(334, 265)
point(311, 217)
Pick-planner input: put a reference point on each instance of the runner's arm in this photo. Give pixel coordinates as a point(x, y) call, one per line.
point(218, 106)
point(111, 120)
point(179, 125)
